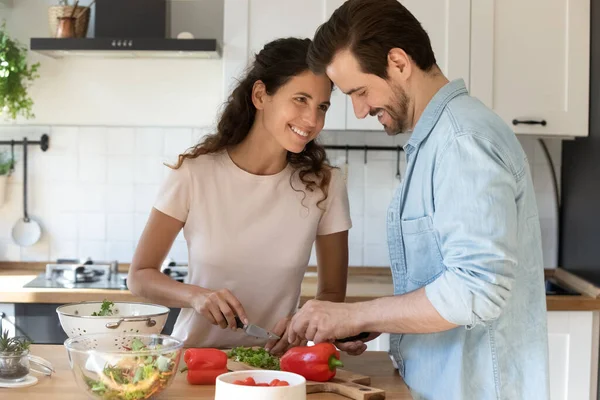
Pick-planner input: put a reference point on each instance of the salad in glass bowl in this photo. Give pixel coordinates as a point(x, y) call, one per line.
point(127, 366)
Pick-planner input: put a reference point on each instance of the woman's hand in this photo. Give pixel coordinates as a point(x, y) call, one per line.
point(219, 307)
point(280, 346)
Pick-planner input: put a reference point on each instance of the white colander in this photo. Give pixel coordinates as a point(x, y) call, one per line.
point(128, 318)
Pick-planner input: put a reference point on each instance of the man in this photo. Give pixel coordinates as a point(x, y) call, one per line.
point(468, 318)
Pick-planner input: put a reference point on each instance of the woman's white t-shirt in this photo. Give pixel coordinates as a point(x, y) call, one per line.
point(248, 233)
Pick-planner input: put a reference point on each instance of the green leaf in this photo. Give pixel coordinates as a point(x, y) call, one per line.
point(15, 77)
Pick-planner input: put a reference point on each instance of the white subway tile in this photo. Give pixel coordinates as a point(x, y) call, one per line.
point(313, 256)
point(62, 197)
point(177, 141)
point(91, 198)
point(91, 227)
point(92, 140)
point(61, 248)
point(375, 230)
point(356, 170)
point(9, 251)
point(198, 134)
point(63, 226)
point(148, 170)
point(121, 141)
point(92, 169)
point(119, 227)
point(179, 252)
point(356, 197)
point(180, 237)
point(120, 199)
point(38, 252)
point(145, 197)
point(120, 170)
point(380, 173)
point(355, 255)
point(377, 201)
point(149, 141)
point(95, 249)
point(376, 255)
point(59, 168)
point(355, 235)
point(120, 251)
point(139, 223)
point(64, 139)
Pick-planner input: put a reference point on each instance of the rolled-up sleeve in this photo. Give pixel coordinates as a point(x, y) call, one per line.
point(476, 220)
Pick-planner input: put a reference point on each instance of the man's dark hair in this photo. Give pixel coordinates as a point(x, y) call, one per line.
point(370, 29)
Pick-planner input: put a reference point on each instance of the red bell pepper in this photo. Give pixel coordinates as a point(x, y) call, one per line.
point(204, 365)
point(315, 363)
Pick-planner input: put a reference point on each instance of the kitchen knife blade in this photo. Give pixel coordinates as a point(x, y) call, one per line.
point(255, 330)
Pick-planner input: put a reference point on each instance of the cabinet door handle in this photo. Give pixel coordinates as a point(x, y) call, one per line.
point(529, 122)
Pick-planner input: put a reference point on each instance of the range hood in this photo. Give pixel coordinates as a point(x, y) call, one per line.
point(127, 48)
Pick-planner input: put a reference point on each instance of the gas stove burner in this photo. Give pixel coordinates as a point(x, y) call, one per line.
point(175, 270)
point(81, 271)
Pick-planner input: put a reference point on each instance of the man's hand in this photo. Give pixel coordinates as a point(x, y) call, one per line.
point(324, 321)
point(279, 347)
point(358, 347)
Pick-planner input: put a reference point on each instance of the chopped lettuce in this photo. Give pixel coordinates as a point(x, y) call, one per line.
point(256, 357)
point(105, 309)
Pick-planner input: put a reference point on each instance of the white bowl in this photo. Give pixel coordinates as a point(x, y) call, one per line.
point(226, 390)
point(129, 318)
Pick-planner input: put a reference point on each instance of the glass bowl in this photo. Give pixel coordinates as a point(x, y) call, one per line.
point(123, 366)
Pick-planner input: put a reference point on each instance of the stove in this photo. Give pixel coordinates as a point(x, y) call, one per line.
point(175, 270)
point(81, 274)
point(91, 274)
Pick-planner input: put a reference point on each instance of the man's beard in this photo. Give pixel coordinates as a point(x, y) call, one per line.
point(398, 112)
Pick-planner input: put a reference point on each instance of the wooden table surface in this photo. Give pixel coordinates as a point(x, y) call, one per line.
point(62, 384)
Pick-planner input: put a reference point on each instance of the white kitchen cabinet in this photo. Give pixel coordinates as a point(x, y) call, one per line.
point(530, 62)
point(250, 24)
point(573, 352)
point(447, 22)
point(573, 346)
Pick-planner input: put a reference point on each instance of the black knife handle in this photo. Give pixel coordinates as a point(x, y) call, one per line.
point(360, 336)
point(239, 322)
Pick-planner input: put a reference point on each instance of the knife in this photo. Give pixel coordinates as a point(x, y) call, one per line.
point(255, 330)
point(360, 336)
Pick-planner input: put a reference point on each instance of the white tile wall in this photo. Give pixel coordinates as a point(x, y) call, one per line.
point(93, 190)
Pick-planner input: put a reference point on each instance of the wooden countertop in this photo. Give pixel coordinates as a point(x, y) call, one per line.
point(364, 283)
point(62, 384)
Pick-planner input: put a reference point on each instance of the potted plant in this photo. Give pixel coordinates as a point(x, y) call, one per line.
point(6, 167)
point(15, 77)
point(14, 358)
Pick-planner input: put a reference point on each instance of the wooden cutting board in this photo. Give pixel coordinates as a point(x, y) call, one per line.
point(345, 383)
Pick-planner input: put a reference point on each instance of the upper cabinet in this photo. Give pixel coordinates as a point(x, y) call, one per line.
point(530, 63)
point(253, 23)
point(447, 24)
point(529, 69)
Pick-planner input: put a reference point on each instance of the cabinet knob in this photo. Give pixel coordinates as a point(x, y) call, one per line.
point(529, 122)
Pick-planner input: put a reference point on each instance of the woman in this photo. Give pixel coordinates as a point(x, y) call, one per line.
point(251, 199)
